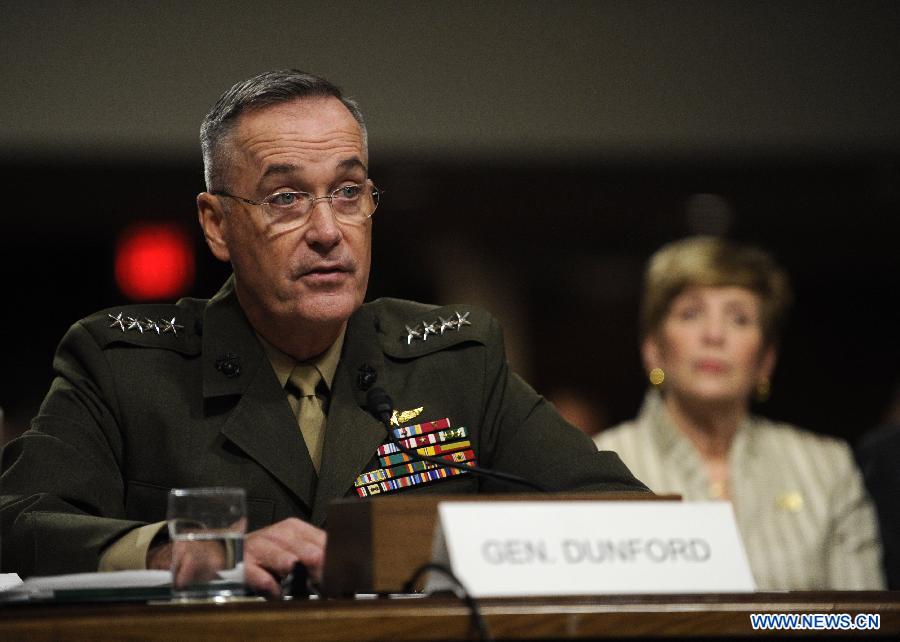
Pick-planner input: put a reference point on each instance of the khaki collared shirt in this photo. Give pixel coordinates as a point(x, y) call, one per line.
point(283, 364)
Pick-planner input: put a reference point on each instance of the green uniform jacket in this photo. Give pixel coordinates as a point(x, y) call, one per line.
point(183, 395)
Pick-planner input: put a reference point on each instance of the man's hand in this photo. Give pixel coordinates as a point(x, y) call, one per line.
point(269, 554)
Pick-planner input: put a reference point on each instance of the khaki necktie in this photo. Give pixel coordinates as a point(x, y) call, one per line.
point(307, 407)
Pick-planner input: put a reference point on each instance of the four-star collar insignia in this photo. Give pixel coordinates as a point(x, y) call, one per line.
point(126, 324)
point(423, 329)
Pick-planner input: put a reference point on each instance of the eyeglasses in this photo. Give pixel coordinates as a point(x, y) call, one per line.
point(351, 204)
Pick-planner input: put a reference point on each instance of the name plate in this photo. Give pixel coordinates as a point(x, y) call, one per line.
point(499, 549)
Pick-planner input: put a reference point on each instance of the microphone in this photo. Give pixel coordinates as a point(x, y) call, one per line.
point(381, 406)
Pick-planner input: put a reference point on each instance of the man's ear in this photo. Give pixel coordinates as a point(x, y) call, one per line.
point(212, 220)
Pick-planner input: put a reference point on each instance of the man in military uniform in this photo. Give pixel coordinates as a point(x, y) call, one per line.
point(211, 392)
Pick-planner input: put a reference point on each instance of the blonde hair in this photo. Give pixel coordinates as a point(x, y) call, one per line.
point(707, 261)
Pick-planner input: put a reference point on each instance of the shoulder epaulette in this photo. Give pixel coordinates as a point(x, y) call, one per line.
point(160, 325)
point(410, 329)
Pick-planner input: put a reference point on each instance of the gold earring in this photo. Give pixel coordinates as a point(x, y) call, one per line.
point(657, 376)
point(763, 389)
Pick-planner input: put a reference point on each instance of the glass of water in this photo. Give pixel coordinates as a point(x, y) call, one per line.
point(206, 528)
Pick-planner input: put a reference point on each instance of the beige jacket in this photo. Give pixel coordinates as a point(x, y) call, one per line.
point(799, 500)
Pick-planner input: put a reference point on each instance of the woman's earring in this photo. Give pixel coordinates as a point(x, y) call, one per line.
point(657, 376)
point(763, 389)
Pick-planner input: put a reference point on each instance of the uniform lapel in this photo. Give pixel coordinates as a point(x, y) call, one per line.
point(261, 422)
point(263, 426)
point(352, 434)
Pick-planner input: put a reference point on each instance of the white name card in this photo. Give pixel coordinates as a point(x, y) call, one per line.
point(590, 547)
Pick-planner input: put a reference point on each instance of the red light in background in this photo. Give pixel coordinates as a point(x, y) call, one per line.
point(154, 261)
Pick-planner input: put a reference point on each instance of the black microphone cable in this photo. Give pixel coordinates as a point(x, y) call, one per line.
point(381, 406)
point(459, 589)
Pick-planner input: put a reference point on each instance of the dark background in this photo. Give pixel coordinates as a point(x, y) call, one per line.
point(533, 155)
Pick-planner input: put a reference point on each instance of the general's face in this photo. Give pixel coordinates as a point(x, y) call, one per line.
point(711, 345)
point(316, 273)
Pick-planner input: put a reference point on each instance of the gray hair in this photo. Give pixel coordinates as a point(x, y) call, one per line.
point(269, 88)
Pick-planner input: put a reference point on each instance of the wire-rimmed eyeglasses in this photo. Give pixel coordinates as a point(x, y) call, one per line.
point(351, 204)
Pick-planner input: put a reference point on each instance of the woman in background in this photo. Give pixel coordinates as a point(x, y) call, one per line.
point(711, 317)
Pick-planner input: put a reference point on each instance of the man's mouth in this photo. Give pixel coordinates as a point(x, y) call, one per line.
point(326, 273)
point(326, 270)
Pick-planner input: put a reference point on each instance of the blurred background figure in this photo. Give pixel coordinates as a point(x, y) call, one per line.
point(712, 314)
point(878, 454)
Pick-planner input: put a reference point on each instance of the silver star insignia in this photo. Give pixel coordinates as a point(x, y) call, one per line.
point(117, 321)
point(135, 324)
point(171, 326)
point(150, 324)
point(461, 320)
point(428, 328)
point(412, 334)
point(446, 323)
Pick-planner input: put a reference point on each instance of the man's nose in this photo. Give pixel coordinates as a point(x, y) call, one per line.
point(323, 226)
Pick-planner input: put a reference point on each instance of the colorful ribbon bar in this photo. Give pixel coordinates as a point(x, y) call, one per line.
point(381, 474)
point(422, 428)
point(399, 458)
point(388, 449)
point(425, 440)
point(435, 437)
point(409, 480)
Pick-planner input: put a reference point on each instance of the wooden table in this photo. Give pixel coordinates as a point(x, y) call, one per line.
point(439, 618)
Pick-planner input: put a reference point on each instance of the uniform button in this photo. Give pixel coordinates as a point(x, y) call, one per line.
point(229, 365)
point(365, 377)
